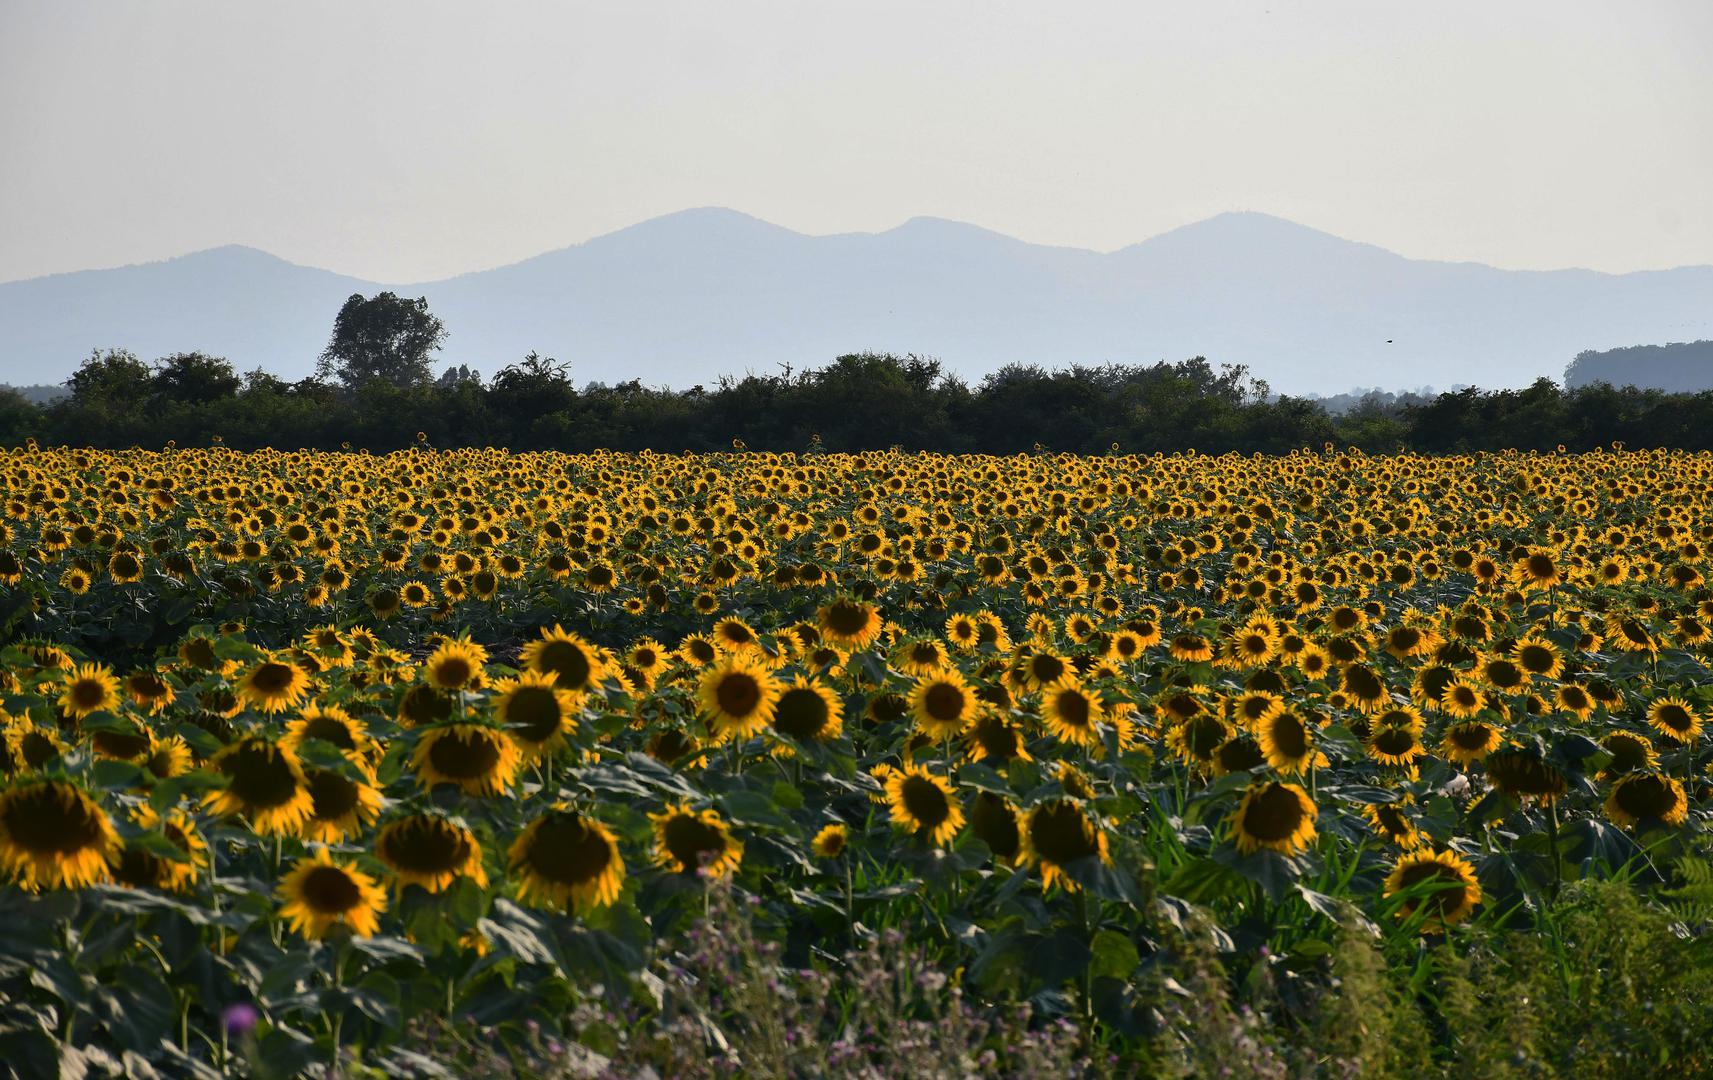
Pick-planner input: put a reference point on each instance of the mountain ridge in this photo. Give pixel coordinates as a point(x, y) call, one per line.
point(685, 297)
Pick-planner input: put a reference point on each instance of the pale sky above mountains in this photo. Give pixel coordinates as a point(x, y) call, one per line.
point(404, 141)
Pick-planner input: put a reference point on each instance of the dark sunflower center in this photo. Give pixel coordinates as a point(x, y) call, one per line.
point(1394, 741)
point(1469, 736)
point(424, 846)
point(1273, 815)
point(689, 838)
point(330, 891)
point(738, 694)
point(847, 620)
point(260, 777)
point(1060, 834)
point(568, 663)
point(944, 702)
point(1362, 682)
point(464, 755)
point(1203, 736)
point(567, 851)
point(1073, 709)
point(88, 694)
point(1675, 717)
point(139, 869)
point(995, 825)
point(273, 677)
point(1541, 566)
point(1645, 797)
point(334, 795)
point(801, 714)
point(534, 713)
point(997, 739)
point(43, 822)
point(925, 801)
point(452, 671)
point(331, 730)
point(425, 705)
point(118, 744)
point(1289, 738)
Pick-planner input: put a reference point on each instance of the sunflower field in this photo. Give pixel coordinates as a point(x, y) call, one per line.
point(302, 754)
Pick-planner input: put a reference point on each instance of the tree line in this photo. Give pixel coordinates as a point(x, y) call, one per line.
point(374, 388)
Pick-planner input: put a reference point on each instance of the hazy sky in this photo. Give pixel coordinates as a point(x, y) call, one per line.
point(404, 141)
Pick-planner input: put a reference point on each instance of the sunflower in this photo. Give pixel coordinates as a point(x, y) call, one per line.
point(1462, 699)
point(1575, 700)
point(343, 805)
point(1072, 714)
point(688, 841)
point(1278, 817)
point(731, 634)
point(848, 623)
point(1055, 834)
point(994, 739)
point(963, 632)
point(577, 665)
point(1470, 741)
point(1630, 753)
point(1196, 740)
point(89, 688)
point(809, 711)
point(1538, 657)
point(334, 726)
point(1525, 775)
point(319, 894)
point(1240, 753)
point(1455, 890)
point(149, 690)
point(566, 858)
point(143, 867)
point(921, 656)
point(1255, 707)
point(266, 783)
point(923, 803)
point(430, 851)
point(54, 835)
point(456, 665)
point(830, 842)
point(480, 760)
point(535, 712)
point(1287, 744)
point(1675, 718)
point(737, 695)
point(1395, 746)
point(273, 685)
point(1190, 647)
point(167, 757)
point(1366, 688)
point(943, 704)
point(1647, 796)
point(1390, 821)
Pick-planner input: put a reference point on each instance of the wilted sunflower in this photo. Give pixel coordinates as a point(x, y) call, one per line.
point(1072, 713)
point(565, 858)
point(809, 711)
point(482, 761)
point(1675, 718)
point(1522, 774)
point(943, 704)
point(830, 842)
point(89, 688)
point(535, 712)
point(455, 665)
point(319, 894)
point(273, 685)
point(689, 841)
point(1647, 796)
point(264, 782)
point(430, 851)
point(576, 664)
point(737, 695)
point(923, 803)
point(1055, 834)
point(53, 835)
point(1275, 816)
point(1454, 889)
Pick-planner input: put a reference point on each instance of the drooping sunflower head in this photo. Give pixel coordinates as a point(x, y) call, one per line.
point(1525, 775)
point(54, 835)
point(320, 894)
point(566, 858)
point(430, 851)
point(344, 803)
point(923, 803)
point(1647, 796)
point(1278, 817)
point(1446, 882)
point(689, 841)
point(995, 740)
point(1056, 834)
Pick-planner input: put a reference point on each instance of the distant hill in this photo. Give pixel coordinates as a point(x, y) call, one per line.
point(38, 395)
point(1684, 367)
point(682, 299)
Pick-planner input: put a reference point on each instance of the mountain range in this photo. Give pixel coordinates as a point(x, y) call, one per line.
point(685, 298)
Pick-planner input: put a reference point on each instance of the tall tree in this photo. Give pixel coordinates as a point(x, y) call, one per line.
point(386, 337)
point(195, 377)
